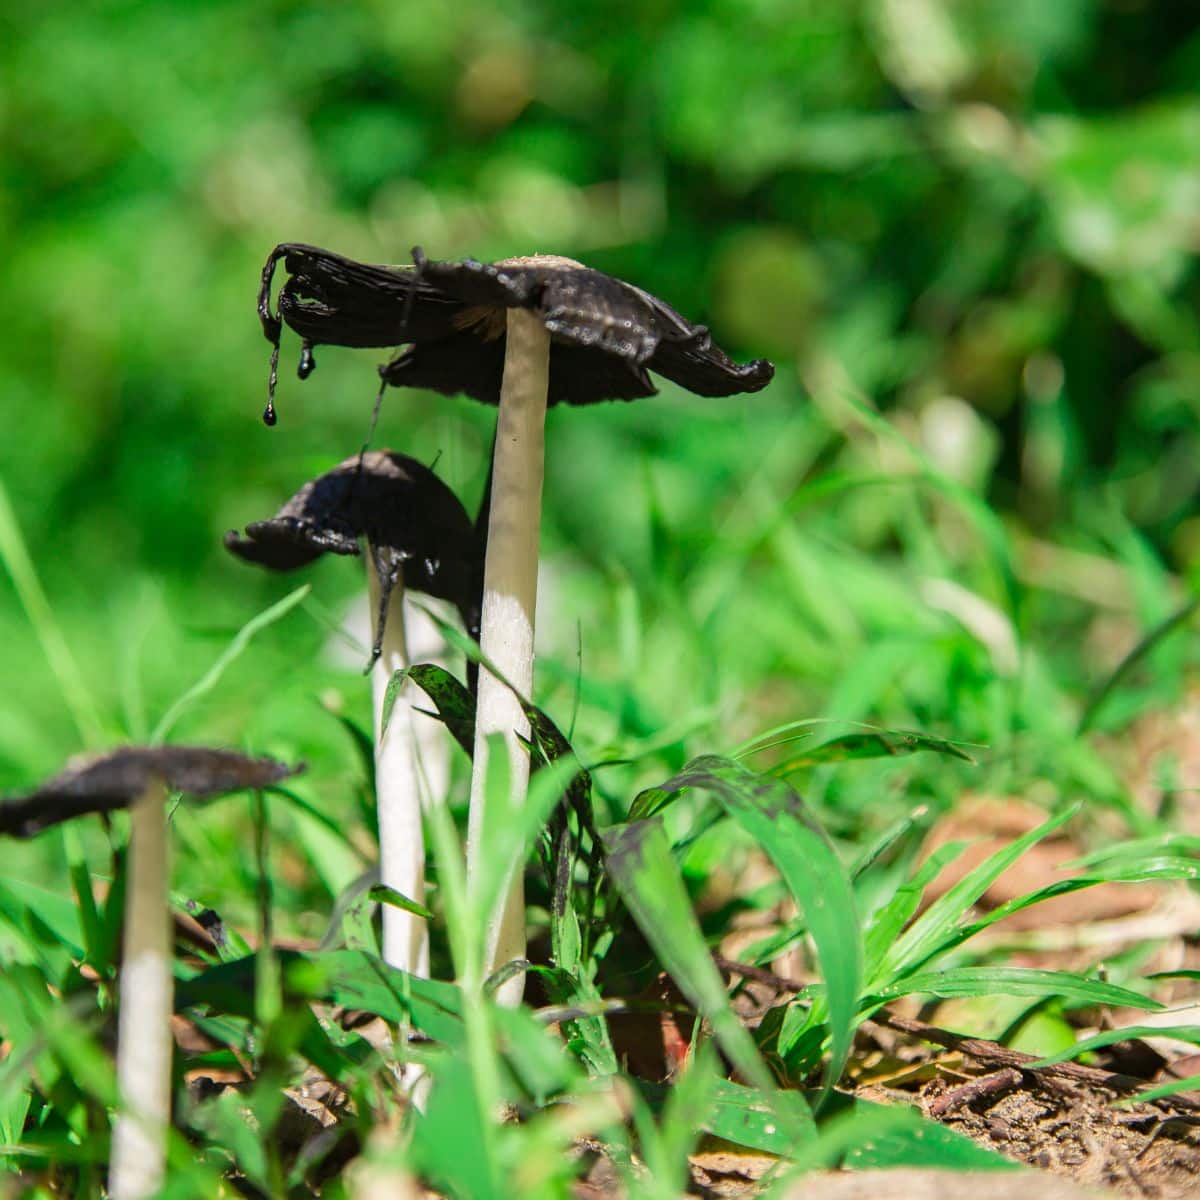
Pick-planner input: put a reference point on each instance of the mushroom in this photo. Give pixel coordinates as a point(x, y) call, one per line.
point(418, 534)
point(522, 333)
point(137, 778)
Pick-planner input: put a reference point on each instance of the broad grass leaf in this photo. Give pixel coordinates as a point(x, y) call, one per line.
point(535, 1057)
point(454, 703)
point(95, 943)
point(1147, 871)
point(348, 977)
point(47, 924)
point(773, 813)
point(640, 862)
point(1136, 849)
point(1015, 981)
point(864, 1135)
point(452, 1142)
point(748, 1117)
point(870, 743)
point(922, 1143)
point(681, 1121)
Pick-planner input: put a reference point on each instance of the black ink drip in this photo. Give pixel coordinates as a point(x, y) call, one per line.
point(269, 415)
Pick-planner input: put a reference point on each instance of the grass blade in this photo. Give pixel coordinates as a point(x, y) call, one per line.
point(1181, 1033)
point(641, 864)
point(1156, 635)
point(773, 813)
point(1016, 981)
point(14, 554)
point(938, 927)
point(212, 676)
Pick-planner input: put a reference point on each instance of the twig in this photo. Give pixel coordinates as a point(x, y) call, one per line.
point(983, 1087)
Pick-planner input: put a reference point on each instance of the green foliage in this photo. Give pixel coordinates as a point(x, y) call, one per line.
point(953, 546)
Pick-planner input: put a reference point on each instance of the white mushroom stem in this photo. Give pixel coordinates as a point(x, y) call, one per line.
point(509, 600)
point(144, 1041)
point(398, 793)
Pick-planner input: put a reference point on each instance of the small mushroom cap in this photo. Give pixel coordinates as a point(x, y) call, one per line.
point(605, 334)
point(115, 780)
point(414, 525)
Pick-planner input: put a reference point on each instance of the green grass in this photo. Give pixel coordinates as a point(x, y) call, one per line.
point(950, 553)
point(669, 826)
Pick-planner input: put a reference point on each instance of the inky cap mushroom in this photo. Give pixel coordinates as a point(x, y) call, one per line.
point(605, 334)
point(414, 525)
point(115, 780)
point(136, 777)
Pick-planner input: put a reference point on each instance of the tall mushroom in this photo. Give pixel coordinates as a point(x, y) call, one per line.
point(419, 535)
point(137, 778)
point(522, 333)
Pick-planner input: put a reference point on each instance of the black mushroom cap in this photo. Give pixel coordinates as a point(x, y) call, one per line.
point(605, 334)
point(413, 524)
point(116, 779)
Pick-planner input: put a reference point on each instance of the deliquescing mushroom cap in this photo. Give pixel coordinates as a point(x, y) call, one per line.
point(605, 334)
point(413, 523)
point(114, 780)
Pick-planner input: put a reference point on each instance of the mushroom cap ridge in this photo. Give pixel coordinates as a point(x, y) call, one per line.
point(605, 334)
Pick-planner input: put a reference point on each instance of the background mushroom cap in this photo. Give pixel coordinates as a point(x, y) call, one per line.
point(605, 334)
point(413, 523)
point(116, 779)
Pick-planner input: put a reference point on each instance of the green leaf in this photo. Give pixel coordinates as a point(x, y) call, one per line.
point(1015, 981)
point(885, 926)
point(383, 894)
point(640, 862)
point(450, 1142)
point(14, 556)
point(748, 1117)
point(921, 1143)
point(1157, 869)
point(863, 1136)
point(348, 977)
point(1181, 1033)
point(48, 924)
point(879, 743)
point(455, 705)
point(1108, 686)
point(773, 813)
point(688, 1102)
point(1188, 1084)
point(94, 941)
point(937, 929)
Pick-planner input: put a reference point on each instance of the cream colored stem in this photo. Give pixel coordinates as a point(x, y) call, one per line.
point(509, 600)
point(144, 1041)
point(398, 794)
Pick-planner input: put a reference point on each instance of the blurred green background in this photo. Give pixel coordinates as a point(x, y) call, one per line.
point(977, 219)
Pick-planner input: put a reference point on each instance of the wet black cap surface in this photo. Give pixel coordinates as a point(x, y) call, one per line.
point(606, 335)
point(114, 780)
point(414, 525)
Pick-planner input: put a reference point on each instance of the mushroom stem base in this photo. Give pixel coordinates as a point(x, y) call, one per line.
point(144, 1042)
